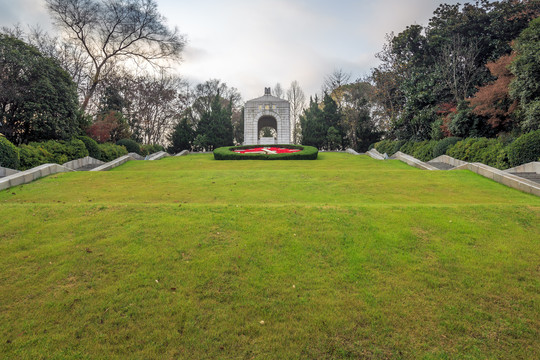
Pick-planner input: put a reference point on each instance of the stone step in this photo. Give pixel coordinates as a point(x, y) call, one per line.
point(528, 175)
point(87, 167)
point(441, 165)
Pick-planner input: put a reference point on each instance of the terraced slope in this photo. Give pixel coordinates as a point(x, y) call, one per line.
point(342, 257)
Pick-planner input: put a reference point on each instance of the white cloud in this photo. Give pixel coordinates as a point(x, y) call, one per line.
point(250, 44)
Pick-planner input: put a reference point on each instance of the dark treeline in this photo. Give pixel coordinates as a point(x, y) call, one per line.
point(457, 75)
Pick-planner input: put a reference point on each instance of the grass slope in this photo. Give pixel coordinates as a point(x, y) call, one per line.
point(342, 257)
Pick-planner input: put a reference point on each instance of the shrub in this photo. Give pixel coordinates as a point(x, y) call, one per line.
point(502, 159)
point(9, 154)
point(109, 151)
point(150, 149)
point(227, 153)
point(32, 156)
point(460, 150)
point(383, 146)
point(408, 147)
point(397, 146)
point(487, 151)
point(388, 146)
point(524, 149)
point(130, 145)
point(442, 146)
point(63, 151)
point(91, 145)
point(423, 150)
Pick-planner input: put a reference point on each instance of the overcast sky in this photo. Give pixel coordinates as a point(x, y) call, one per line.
point(250, 44)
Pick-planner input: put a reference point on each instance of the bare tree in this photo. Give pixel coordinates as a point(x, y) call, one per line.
point(297, 100)
point(458, 65)
point(153, 105)
point(278, 91)
point(335, 80)
point(116, 31)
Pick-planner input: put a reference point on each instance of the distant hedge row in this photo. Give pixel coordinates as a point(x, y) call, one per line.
point(34, 154)
point(143, 150)
point(227, 153)
point(492, 152)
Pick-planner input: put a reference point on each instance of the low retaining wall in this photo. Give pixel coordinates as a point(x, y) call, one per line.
point(376, 155)
point(158, 155)
point(79, 163)
point(7, 171)
point(136, 156)
point(448, 160)
point(24, 177)
point(502, 177)
point(413, 161)
point(112, 164)
point(352, 152)
point(182, 153)
point(529, 167)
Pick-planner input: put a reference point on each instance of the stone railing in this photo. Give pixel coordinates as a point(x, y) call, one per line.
point(408, 159)
point(448, 160)
point(10, 177)
point(501, 176)
point(112, 164)
point(24, 177)
point(182, 153)
point(373, 153)
point(79, 163)
point(158, 155)
point(7, 171)
point(352, 152)
point(529, 167)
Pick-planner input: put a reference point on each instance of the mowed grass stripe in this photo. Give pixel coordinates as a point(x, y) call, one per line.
point(338, 180)
point(132, 279)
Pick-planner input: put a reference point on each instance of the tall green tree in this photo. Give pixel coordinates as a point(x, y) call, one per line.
point(215, 125)
point(314, 129)
point(182, 137)
point(424, 68)
point(38, 99)
point(332, 117)
point(526, 67)
point(360, 127)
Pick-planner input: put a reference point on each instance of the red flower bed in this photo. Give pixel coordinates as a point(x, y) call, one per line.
point(267, 150)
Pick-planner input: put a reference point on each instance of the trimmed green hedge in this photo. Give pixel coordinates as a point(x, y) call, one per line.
point(227, 153)
point(9, 154)
point(33, 156)
point(443, 145)
point(524, 149)
point(150, 149)
point(91, 145)
point(60, 152)
point(52, 151)
point(109, 151)
point(492, 152)
point(130, 145)
point(487, 151)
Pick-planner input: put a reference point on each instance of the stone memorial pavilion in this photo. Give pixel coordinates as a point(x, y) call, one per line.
point(267, 111)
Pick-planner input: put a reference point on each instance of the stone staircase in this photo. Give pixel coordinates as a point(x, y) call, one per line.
point(528, 175)
point(441, 165)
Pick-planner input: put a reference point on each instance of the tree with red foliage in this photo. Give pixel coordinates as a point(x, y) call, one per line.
point(493, 100)
point(110, 126)
point(446, 110)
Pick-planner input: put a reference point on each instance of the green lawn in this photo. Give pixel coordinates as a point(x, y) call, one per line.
point(344, 257)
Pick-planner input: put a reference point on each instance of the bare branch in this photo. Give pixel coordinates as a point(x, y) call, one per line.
point(114, 31)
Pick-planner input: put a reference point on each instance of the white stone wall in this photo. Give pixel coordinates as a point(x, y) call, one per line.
point(267, 105)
